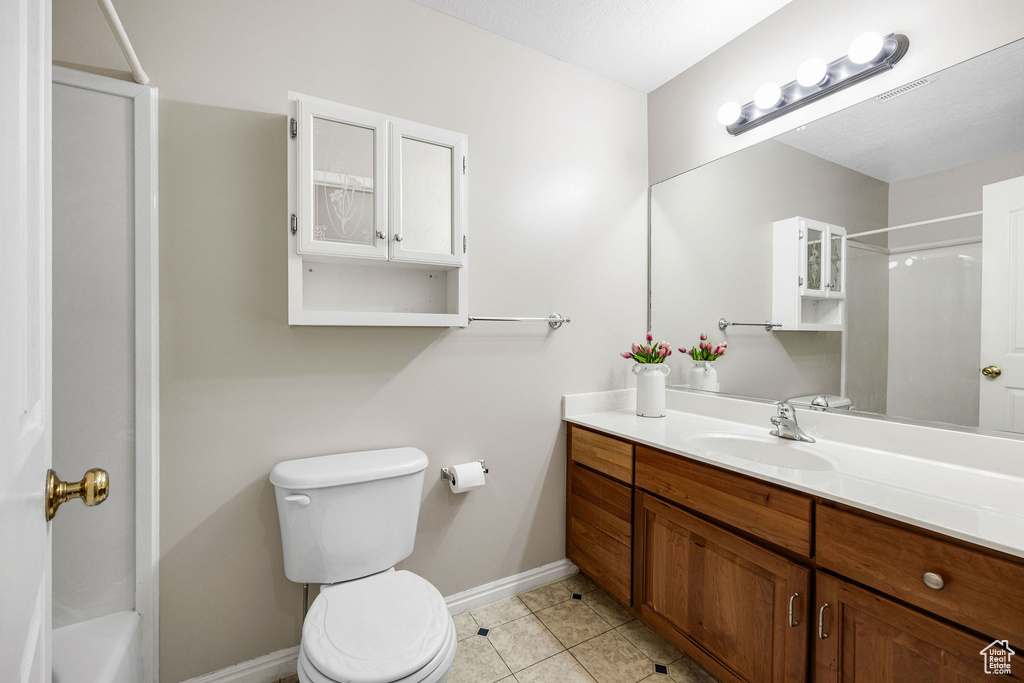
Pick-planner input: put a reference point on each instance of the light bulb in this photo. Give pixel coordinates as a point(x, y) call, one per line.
point(767, 96)
point(729, 113)
point(866, 47)
point(812, 72)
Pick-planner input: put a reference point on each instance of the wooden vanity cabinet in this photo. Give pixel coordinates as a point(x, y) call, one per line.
point(861, 637)
point(599, 515)
point(741, 610)
point(753, 580)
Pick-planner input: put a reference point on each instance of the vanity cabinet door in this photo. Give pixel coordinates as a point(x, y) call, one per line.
point(726, 600)
point(865, 638)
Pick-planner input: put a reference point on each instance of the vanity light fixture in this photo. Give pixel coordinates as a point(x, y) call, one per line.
point(768, 96)
point(870, 54)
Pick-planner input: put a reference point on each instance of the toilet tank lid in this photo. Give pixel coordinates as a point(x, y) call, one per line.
point(347, 468)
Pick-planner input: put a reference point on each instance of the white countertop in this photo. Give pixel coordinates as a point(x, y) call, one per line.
point(948, 482)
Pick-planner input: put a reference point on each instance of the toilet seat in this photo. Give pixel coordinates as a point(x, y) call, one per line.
point(386, 628)
point(435, 672)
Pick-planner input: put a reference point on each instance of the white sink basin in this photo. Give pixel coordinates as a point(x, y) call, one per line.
point(767, 450)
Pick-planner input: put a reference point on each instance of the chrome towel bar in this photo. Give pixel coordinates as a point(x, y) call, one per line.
point(767, 324)
point(555, 320)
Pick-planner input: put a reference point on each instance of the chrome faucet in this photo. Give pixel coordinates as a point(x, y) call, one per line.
point(786, 426)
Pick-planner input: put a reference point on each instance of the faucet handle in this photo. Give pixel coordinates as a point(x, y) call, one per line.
point(785, 410)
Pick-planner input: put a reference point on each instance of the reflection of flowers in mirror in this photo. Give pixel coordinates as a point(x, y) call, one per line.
point(649, 352)
point(705, 350)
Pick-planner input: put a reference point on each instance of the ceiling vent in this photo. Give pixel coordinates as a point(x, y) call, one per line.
point(902, 90)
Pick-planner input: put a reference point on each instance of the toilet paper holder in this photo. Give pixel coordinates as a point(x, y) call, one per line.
point(447, 474)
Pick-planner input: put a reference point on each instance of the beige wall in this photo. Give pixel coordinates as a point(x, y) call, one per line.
point(711, 257)
point(684, 132)
point(946, 193)
point(558, 173)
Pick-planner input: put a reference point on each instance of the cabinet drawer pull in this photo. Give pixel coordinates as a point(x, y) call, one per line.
point(933, 581)
point(821, 622)
point(792, 623)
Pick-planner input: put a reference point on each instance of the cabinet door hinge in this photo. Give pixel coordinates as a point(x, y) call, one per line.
point(463, 165)
point(463, 244)
point(294, 223)
point(294, 129)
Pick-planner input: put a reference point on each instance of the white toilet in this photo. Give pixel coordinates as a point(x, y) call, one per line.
point(345, 521)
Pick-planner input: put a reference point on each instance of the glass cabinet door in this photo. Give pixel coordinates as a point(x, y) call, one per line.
point(837, 261)
point(814, 256)
point(427, 193)
point(342, 209)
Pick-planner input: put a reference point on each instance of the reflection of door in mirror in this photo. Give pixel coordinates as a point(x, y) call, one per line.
point(1002, 310)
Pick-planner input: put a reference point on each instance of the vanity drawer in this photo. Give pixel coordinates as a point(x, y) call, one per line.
point(602, 558)
point(981, 592)
point(602, 453)
point(774, 514)
point(606, 504)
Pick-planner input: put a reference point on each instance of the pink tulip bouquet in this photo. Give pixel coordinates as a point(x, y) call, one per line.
point(648, 353)
point(705, 351)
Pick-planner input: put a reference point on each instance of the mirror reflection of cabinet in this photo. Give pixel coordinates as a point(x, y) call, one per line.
point(808, 274)
point(378, 231)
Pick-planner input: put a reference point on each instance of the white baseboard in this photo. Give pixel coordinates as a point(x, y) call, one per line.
point(509, 586)
point(283, 663)
point(263, 669)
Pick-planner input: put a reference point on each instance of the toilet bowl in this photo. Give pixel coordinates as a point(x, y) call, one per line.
point(346, 519)
point(387, 628)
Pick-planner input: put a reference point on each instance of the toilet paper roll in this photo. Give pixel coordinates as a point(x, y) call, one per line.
point(468, 475)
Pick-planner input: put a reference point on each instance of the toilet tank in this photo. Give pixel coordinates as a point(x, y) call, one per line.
point(348, 515)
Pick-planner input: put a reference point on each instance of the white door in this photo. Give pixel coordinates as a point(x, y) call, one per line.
point(1002, 306)
point(24, 339)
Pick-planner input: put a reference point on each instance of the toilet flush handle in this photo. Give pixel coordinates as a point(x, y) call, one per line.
point(298, 498)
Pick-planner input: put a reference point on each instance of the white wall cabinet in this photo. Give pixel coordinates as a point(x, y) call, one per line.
point(808, 275)
point(378, 230)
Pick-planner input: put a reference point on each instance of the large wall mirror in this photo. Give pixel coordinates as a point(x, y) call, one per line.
point(928, 306)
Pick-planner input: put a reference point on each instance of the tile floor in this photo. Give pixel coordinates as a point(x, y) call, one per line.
point(569, 631)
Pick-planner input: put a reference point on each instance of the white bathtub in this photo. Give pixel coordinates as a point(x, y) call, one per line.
point(103, 650)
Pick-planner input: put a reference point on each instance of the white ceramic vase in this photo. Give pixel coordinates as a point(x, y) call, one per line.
point(650, 388)
point(704, 376)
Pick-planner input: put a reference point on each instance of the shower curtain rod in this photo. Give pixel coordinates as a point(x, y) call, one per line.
point(914, 225)
point(107, 6)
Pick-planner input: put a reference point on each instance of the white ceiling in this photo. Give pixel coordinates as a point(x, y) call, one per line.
point(641, 43)
point(969, 112)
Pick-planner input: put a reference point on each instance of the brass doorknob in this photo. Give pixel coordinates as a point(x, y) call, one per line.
point(991, 372)
point(92, 490)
